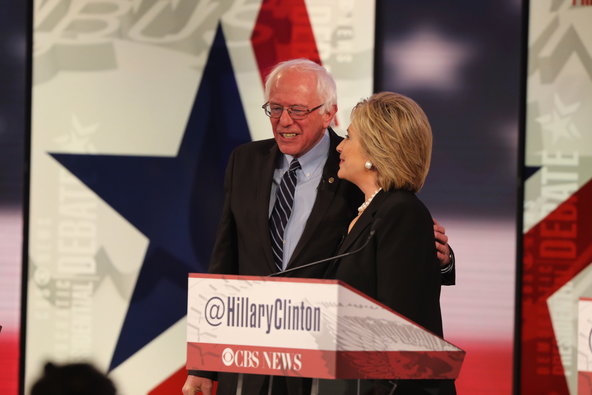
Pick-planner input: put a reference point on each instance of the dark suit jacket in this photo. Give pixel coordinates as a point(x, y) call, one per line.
point(398, 267)
point(243, 244)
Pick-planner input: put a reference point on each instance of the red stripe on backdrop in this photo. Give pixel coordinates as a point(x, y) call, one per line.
point(487, 368)
point(282, 32)
point(9, 356)
point(555, 251)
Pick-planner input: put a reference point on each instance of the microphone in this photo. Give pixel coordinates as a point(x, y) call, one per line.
point(331, 258)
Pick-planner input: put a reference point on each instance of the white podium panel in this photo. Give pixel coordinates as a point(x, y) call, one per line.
point(307, 328)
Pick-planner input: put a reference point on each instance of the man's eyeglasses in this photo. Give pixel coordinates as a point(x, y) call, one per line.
point(295, 111)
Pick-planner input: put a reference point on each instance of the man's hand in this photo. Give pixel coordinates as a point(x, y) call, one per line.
point(442, 248)
point(195, 383)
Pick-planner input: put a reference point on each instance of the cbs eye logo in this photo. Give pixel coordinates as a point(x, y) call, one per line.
point(240, 358)
point(227, 356)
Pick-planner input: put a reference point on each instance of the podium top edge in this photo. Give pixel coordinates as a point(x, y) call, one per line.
point(266, 278)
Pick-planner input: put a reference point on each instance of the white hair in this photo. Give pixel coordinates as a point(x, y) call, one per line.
point(326, 89)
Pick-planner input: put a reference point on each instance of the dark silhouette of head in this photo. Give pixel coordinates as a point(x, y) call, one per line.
point(73, 379)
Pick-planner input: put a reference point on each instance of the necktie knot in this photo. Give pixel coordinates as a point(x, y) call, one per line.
point(294, 165)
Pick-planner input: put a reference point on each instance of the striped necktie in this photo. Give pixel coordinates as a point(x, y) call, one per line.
point(282, 209)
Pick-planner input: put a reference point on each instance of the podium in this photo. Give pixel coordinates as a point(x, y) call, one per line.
point(321, 329)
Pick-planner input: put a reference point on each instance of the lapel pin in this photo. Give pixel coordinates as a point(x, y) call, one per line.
point(331, 180)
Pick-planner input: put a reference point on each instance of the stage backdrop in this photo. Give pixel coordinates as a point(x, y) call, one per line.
point(461, 61)
point(557, 226)
point(13, 104)
point(136, 107)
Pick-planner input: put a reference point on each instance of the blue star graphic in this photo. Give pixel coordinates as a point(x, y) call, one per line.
point(175, 201)
point(529, 171)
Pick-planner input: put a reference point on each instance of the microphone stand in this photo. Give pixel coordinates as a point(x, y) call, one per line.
point(315, 382)
point(331, 258)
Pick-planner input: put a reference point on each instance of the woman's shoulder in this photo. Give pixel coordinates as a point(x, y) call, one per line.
point(402, 201)
point(396, 197)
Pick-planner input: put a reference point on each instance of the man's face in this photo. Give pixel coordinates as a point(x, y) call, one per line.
point(297, 137)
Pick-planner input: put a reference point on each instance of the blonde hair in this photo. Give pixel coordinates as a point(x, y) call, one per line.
point(326, 88)
point(397, 137)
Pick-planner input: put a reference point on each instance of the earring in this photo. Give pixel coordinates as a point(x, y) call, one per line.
point(368, 165)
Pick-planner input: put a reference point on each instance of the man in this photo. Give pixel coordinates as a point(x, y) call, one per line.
point(301, 105)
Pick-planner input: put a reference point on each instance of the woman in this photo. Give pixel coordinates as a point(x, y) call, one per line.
point(387, 155)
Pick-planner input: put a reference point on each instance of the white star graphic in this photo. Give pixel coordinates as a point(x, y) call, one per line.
point(427, 59)
point(559, 123)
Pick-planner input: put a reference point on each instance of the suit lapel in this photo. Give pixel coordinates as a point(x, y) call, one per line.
point(325, 194)
point(362, 226)
point(262, 204)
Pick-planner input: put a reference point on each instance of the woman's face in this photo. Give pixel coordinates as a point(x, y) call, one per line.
point(352, 158)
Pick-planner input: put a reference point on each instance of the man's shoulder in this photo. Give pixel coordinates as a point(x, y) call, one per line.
point(251, 147)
